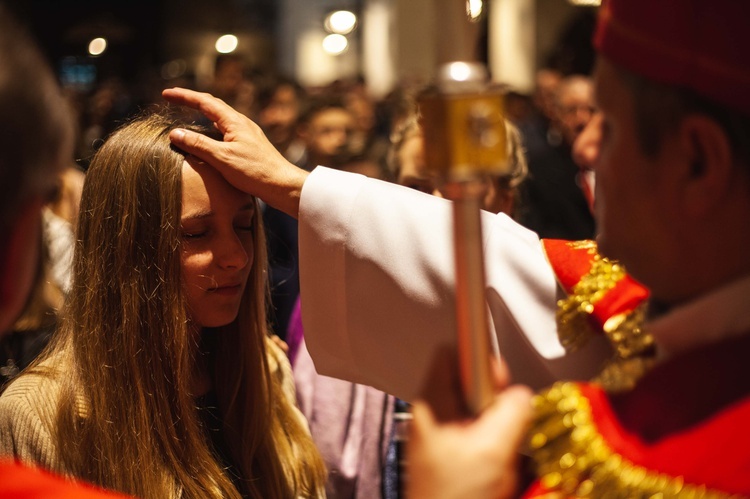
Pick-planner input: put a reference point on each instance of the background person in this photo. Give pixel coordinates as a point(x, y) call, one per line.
point(558, 195)
point(31, 101)
point(500, 193)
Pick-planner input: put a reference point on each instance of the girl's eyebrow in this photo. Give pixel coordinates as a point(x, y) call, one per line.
point(198, 215)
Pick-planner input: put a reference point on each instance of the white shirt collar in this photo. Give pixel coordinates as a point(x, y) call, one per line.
point(717, 315)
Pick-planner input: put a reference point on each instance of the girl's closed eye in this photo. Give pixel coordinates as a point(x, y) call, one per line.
point(244, 227)
point(245, 221)
point(193, 235)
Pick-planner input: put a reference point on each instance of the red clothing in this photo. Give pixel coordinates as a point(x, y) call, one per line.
point(22, 482)
point(683, 426)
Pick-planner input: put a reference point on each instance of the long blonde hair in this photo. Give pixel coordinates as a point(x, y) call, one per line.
point(127, 419)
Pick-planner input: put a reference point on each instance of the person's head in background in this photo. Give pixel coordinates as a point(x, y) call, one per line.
point(362, 107)
point(280, 101)
point(407, 164)
point(232, 84)
point(168, 303)
point(326, 128)
point(574, 106)
point(34, 146)
point(545, 88)
point(518, 107)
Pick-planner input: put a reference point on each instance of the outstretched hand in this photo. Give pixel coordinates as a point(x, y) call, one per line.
point(245, 157)
point(475, 458)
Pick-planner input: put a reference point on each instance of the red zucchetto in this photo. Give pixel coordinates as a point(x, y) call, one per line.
point(701, 45)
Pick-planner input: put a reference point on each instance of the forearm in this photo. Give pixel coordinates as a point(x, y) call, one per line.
point(376, 269)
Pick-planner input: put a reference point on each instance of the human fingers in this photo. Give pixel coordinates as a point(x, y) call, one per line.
point(500, 373)
point(507, 419)
point(199, 145)
point(468, 458)
point(495, 438)
point(211, 107)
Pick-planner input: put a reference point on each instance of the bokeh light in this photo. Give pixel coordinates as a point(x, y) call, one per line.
point(97, 46)
point(335, 44)
point(226, 44)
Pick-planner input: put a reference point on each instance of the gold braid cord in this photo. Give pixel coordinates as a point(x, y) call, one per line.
point(573, 312)
point(574, 460)
point(634, 351)
point(633, 347)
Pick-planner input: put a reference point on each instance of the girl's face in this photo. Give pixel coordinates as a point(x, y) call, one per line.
point(217, 244)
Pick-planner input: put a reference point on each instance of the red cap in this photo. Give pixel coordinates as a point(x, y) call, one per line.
point(702, 45)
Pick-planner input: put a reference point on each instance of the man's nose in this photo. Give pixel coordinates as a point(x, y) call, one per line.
point(586, 146)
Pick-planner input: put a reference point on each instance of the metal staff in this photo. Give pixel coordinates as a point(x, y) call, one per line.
point(465, 140)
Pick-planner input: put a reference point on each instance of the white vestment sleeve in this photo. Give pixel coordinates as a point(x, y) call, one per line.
point(376, 277)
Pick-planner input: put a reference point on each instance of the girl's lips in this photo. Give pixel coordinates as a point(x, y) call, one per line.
point(230, 289)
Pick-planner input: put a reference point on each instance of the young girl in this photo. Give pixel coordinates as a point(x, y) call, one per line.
point(162, 381)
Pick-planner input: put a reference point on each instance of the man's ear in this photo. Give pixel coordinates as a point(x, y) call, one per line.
point(710, 163)
point(18, 262)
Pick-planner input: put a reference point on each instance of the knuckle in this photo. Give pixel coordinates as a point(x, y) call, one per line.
point(199, 141)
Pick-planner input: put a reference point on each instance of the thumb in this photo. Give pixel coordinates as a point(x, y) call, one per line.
point(507, 417)
point(196, 144)
point(500, 374)
point(423, 420)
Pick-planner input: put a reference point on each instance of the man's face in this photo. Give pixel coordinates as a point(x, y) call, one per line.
point(279, 117)
point(575, 108)
point(633, 198)
point(327, 135)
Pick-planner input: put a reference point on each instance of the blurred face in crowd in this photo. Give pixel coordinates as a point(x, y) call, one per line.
point(279, 118)
point(327, 136)
point(632, 189)
point(546, 88)
point(575, 106)
point(362, 109)
point(217, 244)
point(413, 173)
point(229, 77)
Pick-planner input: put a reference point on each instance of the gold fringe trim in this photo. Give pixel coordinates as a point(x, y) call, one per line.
point(574, 460)
point(633, 347)
point(635, 351)
point(573, 312)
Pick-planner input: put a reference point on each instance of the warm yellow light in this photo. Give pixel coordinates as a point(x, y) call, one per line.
point(341, 22)
point(459, 71)
point(335, 44)
point(474, 9)
point(226, 44)
point(97, 46)
point(586, 3)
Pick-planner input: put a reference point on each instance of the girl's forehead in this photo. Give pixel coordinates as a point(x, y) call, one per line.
point(204, 188)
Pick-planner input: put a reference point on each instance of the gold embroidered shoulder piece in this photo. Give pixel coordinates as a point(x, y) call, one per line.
point(633, 347)
point(574, 311)
point(574, 460)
